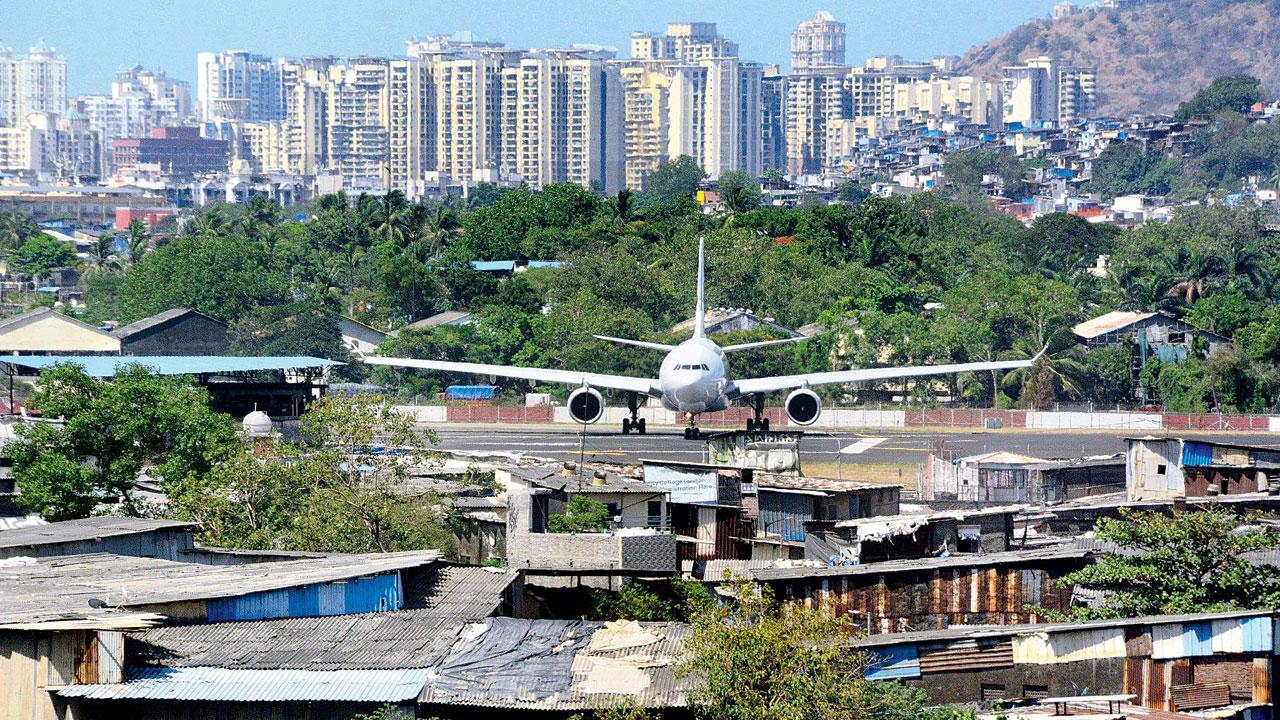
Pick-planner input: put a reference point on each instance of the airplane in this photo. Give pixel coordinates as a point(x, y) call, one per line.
point(693, 378)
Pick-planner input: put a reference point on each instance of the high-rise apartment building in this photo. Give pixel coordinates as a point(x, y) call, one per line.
point(139, 101)
point(36, 83)
point(817, 43)
point(469, 113)
point(773, 120)
point(46, 146)
point(411, 120)
point(1031, 92)
point(238, 86)
point(685, 42)
point(1077, 95)
point(646, 118)
point(358, 122)
point(815, 102)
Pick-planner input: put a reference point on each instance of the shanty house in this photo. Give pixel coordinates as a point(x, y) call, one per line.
point(1154, 335)
point(359, 337)
point(1005, 477)
point(713, 508)
point(1163, 467)
point(638, 536)
point(180, 331)
point(1167, 663)
point(933, 593)
point(917, 532)
point(137, 537)
point(792, 507)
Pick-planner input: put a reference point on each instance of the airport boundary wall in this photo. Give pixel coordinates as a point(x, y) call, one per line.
point(1145, 422)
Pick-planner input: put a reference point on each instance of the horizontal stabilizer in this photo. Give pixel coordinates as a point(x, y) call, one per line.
point(762, 343)
point(637, 343)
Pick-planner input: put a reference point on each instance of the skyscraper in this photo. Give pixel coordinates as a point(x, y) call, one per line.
point(34, 84)
point(817, 43)
point(1031, 92)
point(238, 85)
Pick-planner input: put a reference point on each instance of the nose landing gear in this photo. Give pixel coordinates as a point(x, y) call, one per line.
point(692, 432)
point(759, 423)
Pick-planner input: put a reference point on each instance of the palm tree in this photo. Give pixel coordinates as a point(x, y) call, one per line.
point(1247, 262)
point(16, 229)
point(136, 241)
point(623, 204)
point(387, 215)
point(1060, 371)
point(103, 250)
point(1192, 271)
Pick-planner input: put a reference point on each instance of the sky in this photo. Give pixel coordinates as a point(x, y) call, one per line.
point(99, 36)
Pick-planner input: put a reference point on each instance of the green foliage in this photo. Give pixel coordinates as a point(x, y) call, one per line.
point(40, 254)
point(304, 328)
point(1186, 562)
point(674, 180)
point(967, 168)
point(1125, 169)
point(581, 514)
point(327, 493)
point(388, 712)
point(672, 600)
point(756, 659)
point(1232, 92)
point(16, 229)
point(113, 431)
point(739, 191)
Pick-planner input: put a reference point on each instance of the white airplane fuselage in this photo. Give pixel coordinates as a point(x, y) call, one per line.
point(692, 378)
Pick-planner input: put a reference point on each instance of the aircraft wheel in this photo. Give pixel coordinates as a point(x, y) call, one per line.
point(751, 425)
point(626, 426)
point(640, 424)
point(764, 425)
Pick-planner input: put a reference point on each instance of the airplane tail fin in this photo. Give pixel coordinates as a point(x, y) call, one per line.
point(700, 316)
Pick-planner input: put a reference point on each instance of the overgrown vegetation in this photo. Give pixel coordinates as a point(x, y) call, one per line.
point(672, 600)
point(1184, 562)
point(581, 514)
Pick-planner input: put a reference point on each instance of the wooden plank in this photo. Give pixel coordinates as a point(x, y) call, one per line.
point(1262, 680)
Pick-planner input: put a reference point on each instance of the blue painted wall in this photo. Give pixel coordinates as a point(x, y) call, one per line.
point(376, 593)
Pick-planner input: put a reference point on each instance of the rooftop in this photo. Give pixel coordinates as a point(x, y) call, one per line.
point(106, 365)
point(553, 478)
point(57, 589)
point(1104, 324)
point(156, 320)
point(959, 560)
point(790, 482)
point(86, 529)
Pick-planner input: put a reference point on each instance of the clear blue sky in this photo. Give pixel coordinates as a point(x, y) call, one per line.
point(98, 36)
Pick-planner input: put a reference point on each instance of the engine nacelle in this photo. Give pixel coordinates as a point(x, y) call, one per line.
point(586, 405)
point(803, 407)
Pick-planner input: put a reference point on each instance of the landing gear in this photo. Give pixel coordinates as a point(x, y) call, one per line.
point(692, 432)
point(635, 422)
point(759, 423)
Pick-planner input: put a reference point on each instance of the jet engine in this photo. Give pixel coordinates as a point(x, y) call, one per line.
point(586, 405)
point(803, 406)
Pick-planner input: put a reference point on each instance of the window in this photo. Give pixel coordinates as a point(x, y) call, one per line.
point(655, 513)
point(1162, 469)
point(612, 509)
point(992, 691)
point(1177, 338)
point(1035, 692)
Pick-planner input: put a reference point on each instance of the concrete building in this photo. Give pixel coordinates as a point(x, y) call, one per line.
point(469, 97)
point(238, 85)
point(140, 100)
point(815, 102)
point(817, 43)
point(36, 83)
point(685, 42)
point(646, 118)
point(1077, 95)
point(44, 331)
point(176, 151)
point(1031, 92)
point(773, 120)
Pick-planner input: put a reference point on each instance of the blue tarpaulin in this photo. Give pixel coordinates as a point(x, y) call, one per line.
point(470, 392)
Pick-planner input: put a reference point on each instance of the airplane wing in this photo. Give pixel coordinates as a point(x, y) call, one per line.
point(637, 343)
point(563, 377)
point(762, 343)
point(787, 382)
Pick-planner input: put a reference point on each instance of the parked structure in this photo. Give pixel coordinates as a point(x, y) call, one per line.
point(180, 331)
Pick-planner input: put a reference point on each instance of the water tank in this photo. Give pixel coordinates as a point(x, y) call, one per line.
point(257, 424)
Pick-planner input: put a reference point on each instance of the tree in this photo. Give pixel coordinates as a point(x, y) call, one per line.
point(1124, 169)
point(581, 514)
point(335, 490)
point(224, 277)
point(113, 431)
point(41, 254)
point(136, 241)
point(739, 191)
point(1184, 562)
point(16, 229)
point(302, 328)
point(1230, 92)
point(756, 659)
point(675, 179)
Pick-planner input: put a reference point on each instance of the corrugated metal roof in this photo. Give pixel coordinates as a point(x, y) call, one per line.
point(220, 684)
point(1056, 552)
point(86, 529)
point(59, 588)
point(468, 593)
point(790, 482)
point(158, 319)
point(106, 365)
point(1048, 648)
point(1107, 323)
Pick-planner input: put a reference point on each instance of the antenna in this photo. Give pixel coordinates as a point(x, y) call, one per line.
point(700, 318)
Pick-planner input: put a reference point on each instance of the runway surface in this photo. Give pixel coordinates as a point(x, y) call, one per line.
point(869, 446)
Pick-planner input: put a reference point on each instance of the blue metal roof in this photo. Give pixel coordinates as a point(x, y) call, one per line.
point(493, 265)
point(212, 684)
point(105, 365)
point(535, 264)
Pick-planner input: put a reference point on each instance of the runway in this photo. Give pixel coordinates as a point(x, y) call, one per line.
point(870, 446)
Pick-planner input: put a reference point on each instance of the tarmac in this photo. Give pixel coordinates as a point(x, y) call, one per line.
point(871, 446)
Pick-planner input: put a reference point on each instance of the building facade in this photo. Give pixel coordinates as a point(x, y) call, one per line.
point(36, 83)
point(817, 43)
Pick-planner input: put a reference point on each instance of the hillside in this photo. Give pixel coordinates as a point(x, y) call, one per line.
point(1152, 56)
